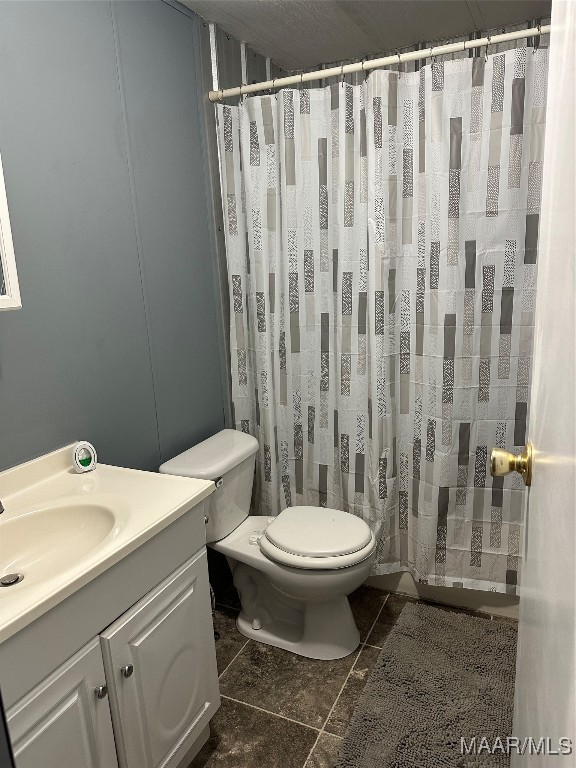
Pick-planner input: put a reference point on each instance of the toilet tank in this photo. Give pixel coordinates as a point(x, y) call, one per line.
point(228, 459)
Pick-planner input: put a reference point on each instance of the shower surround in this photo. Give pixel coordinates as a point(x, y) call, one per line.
point(381, 246)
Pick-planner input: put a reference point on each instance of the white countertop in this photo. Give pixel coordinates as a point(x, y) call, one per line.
point(62, 529)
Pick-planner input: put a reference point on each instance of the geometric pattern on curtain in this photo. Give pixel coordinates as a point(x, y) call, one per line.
point(381, 246)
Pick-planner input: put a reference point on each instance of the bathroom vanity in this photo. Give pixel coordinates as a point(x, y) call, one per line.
point(107, 651)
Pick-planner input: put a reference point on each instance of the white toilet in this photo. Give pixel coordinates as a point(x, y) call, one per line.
point(294, 571)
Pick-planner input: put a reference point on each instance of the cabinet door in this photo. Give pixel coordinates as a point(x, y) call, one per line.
point(62, 723)
point(166, 645)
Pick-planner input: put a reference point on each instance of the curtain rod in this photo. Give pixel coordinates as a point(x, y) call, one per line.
point(364, 66)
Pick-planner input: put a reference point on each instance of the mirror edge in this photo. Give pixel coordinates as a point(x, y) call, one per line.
point(11, 299)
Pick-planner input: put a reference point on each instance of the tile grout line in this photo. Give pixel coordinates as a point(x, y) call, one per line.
point(267, 712)
point(228, 607)
point(313, 748)
point(374, 623)
point(233, 660)
point(334, 704)
point(361, 648)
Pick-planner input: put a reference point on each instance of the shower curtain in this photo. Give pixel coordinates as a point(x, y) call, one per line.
point(381, 247)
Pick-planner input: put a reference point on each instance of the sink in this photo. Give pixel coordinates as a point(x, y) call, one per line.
point(61, 529)
point(44, 541)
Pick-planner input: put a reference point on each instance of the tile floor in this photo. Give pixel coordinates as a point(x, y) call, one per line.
point(280, 710)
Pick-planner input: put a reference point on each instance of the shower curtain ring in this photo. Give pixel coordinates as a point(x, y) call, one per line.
point(221, 95)
point(399, 64)
point(537, 38)
point(487, 46)
point(342, 75)
point(432, 57)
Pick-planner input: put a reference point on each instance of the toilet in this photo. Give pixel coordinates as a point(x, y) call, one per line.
point(293, 572)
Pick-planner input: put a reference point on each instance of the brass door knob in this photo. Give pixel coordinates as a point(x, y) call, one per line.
point(503, 462)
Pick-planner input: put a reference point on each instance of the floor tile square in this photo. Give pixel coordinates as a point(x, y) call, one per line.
point(325, 753)
point(229, 641)
point(366, 603)
point(387, 618)
point(244, 737)
point(286, 684)
point(344, 709)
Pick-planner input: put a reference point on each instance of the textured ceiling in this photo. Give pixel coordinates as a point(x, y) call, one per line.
point(300, 34)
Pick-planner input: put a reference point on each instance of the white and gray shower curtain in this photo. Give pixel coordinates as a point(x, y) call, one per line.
point(381, 246)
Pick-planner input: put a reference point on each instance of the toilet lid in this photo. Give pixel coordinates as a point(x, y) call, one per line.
point(318, 532)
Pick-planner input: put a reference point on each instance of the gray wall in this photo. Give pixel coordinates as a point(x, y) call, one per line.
point(120, 339)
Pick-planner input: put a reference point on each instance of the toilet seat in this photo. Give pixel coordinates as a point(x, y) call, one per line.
point(317, 538)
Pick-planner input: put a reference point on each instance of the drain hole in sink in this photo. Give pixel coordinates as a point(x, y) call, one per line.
point(9, 579)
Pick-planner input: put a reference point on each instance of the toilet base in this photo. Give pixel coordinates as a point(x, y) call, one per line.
point(303, 611)
point(318, 631)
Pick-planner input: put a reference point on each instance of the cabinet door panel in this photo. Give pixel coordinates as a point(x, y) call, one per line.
point(61, 723)
point(167, 637)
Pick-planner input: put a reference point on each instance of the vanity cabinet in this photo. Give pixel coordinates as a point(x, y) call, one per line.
point(161, 670)
point(158, 665)
point(62, 723)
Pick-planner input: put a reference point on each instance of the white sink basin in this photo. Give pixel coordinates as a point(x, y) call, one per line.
point(61, 529)
point(41, 542)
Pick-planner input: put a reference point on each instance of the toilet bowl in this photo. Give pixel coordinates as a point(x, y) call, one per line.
point(293, 572)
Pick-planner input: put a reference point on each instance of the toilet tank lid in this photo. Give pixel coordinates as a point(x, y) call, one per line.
point(213, 457)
